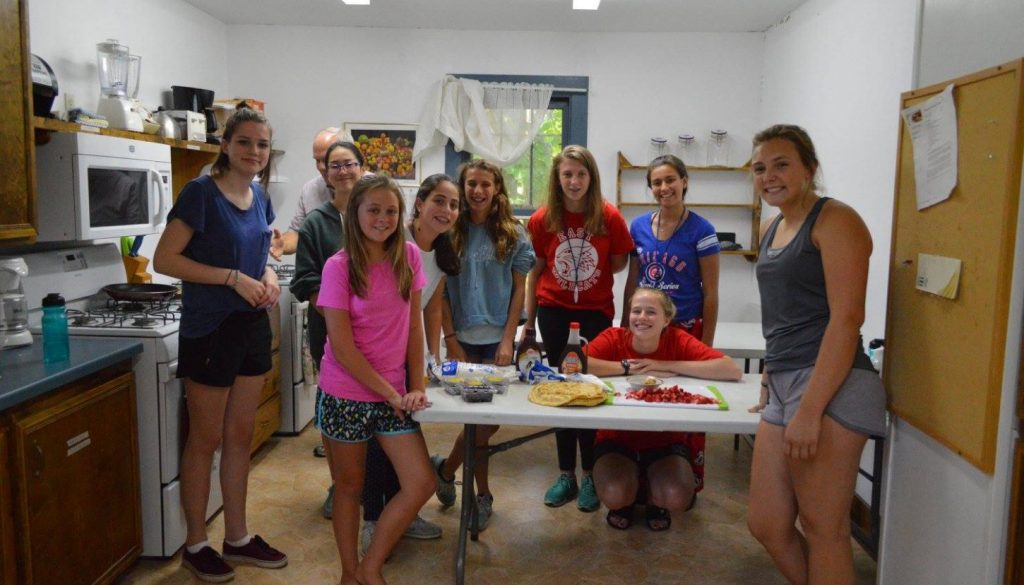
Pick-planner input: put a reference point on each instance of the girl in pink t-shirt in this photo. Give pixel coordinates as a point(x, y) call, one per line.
point(370, 296)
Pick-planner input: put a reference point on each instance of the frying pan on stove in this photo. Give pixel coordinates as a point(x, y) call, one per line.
point(140, 292)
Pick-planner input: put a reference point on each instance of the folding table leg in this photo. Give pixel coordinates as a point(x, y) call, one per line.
point(467, 515)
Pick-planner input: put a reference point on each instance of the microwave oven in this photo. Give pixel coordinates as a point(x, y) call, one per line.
point(91, 186)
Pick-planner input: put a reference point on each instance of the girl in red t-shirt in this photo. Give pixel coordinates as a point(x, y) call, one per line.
point(671, 464)
point(581, 241)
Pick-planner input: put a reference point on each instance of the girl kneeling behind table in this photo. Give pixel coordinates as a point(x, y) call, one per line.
point(375, 279)
point(669, 464)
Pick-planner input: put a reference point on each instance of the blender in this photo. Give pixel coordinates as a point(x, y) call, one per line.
point(13, 308)
point(113, 63)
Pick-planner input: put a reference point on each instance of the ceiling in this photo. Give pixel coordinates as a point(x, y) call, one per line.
point(510, 15)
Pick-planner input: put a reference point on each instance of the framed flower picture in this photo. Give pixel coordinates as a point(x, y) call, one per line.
point(387, 149)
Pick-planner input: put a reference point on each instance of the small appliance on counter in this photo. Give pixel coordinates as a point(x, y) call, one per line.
point(44, 87)
point(114, 65)
point(200, 101)
point(13, 307)
point(191, 125)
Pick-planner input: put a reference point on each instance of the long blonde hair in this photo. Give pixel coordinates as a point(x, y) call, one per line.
point(501, 223)
point(593, 213)
point(354, 240)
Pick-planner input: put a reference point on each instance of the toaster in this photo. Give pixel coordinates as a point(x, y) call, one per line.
point(192, 124)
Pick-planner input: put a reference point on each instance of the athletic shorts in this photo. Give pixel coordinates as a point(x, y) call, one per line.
point(858, 405)
point(354, 421)
point(239, 346)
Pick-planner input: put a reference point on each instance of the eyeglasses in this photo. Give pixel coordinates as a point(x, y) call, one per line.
point(337, 167)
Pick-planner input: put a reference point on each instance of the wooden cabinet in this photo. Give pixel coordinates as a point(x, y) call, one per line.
point(8, 565)
point(75, 474)
point(268, 414)
point(750, 207)
point(17, 149)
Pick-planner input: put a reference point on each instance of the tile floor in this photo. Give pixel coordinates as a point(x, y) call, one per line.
point(526, 542)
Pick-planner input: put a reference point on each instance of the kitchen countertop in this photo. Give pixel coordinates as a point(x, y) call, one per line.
point(24, 376)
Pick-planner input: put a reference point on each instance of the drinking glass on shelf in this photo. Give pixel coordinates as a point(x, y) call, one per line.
point(658, 147)
point(718, 148)
point(686, 148)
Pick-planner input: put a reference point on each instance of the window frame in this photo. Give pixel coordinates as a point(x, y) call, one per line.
point(571, 96)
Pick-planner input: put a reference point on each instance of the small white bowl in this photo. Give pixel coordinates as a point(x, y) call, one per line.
point(643, 382)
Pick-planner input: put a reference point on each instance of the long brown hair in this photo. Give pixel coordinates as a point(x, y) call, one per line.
point(355, 241)
point(502, 226)
point(593, 213)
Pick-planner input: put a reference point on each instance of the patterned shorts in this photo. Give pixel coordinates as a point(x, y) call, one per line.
point(353, 421)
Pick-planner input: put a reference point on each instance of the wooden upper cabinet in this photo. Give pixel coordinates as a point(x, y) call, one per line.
point(17, 146)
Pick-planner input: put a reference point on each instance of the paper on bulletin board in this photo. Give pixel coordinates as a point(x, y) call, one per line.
point(938, 275)
point(932, 126)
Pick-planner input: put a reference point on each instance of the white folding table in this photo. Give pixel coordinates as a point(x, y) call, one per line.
point(514, 408)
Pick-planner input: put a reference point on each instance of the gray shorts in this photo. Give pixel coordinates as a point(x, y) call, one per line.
point(858, 405)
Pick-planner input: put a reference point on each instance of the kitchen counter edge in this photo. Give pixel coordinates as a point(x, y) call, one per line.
point(24, 376)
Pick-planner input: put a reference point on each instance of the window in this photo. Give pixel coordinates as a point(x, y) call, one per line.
point(527, 178)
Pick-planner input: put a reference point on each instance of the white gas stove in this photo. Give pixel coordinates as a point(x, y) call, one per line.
point(79, 274)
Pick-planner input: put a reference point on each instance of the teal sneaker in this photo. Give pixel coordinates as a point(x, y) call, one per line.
point(587, 500)
point(562, 492)
point(445, 487)
point(484, 510)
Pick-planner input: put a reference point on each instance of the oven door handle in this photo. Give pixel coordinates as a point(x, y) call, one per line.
point(298, 333)
point(167, 372)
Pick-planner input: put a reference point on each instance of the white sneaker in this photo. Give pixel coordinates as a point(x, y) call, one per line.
point(422, 530)
point(365, 536)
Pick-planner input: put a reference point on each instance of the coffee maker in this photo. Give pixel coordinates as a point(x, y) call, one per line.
point(199, 101)
point(13, 308)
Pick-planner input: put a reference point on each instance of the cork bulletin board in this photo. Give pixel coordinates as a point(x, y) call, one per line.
point(944, 357)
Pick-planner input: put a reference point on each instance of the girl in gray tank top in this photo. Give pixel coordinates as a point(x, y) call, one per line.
point(824, 400)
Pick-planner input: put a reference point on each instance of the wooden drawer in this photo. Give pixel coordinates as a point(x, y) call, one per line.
point(272, 379)
point(268, 421)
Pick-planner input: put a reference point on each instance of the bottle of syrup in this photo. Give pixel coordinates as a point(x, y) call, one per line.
point(528, 353)
point(574, 361)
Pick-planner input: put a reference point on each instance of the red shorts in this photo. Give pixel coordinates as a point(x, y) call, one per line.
point(696, 330)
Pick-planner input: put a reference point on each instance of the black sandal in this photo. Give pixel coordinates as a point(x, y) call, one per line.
point(658, 519)
point(620, 519)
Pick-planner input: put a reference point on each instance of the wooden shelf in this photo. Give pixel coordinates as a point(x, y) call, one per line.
point(692, 204)
point(625, 165)
point(753, 208)
point(62, 126)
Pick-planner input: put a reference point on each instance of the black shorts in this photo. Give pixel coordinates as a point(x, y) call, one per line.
point(645, 457)
point(239, 346)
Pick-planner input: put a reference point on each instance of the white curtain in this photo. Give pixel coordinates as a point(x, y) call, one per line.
point(496, 121)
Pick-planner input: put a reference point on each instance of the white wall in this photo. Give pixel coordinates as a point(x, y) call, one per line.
point(179, 45)
point(933, 491)
point(837, 68)
point(962, 36)
point(641, 85)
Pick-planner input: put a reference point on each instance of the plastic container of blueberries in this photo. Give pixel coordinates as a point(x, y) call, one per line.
point(477, 393)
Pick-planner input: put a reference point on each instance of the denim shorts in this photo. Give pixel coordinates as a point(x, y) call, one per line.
point(354, 421)
point(479, 352)
point(858, 405)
